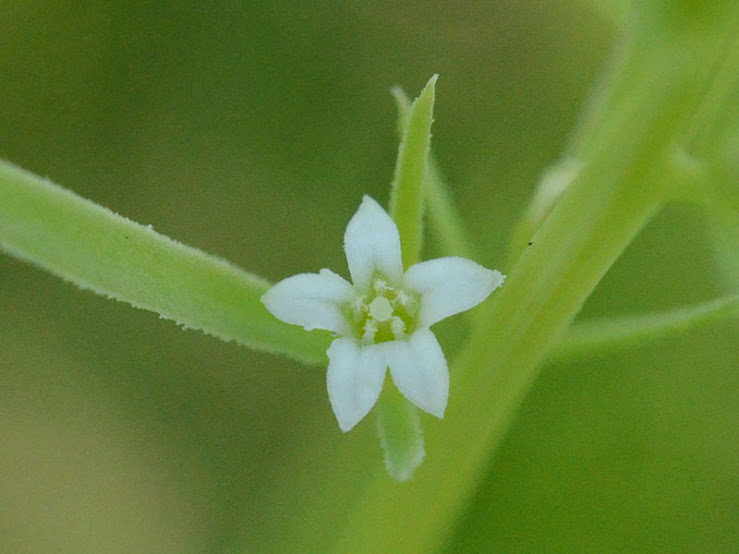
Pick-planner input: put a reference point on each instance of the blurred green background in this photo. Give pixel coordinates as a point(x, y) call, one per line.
point(251, 131)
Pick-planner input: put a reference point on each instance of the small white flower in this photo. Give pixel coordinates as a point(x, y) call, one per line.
point(382, 320)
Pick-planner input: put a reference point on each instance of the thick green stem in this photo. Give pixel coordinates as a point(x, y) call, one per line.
point(494, 373)
point(625, 155)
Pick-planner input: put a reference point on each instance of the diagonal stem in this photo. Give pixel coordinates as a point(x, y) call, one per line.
point(622, 184)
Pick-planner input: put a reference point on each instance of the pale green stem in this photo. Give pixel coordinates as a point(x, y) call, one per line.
point(96, 249)
point(590, 337)
point(552, 184)
point(620, 187)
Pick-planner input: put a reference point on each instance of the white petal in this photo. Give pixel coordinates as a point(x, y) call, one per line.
point(311, 300)
point(354, 378)
point(419, 370)
point(372, 243)
point(449, 286)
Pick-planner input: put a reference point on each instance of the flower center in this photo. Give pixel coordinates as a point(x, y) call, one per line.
point(383, 314)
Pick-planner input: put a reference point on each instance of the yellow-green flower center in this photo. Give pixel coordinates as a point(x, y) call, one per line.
point(380, 309)
point(383, 313)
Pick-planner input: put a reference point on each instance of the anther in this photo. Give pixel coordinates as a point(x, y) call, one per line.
point(380, 285)
point(358, 304)
point(370, 330)
point(398, 327)
point(401, 298)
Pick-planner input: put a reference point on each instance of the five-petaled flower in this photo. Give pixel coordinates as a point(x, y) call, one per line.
point(382, 320)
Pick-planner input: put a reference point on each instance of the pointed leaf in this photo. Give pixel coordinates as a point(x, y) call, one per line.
point(406, 199)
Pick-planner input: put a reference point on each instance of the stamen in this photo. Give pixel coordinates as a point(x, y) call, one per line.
point(398, 327)
point(402, 298)
point(358, 305)
point(370, 330)
point(380, 286)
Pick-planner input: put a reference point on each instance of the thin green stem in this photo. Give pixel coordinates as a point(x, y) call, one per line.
point(590, 337)
point(98, 250)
